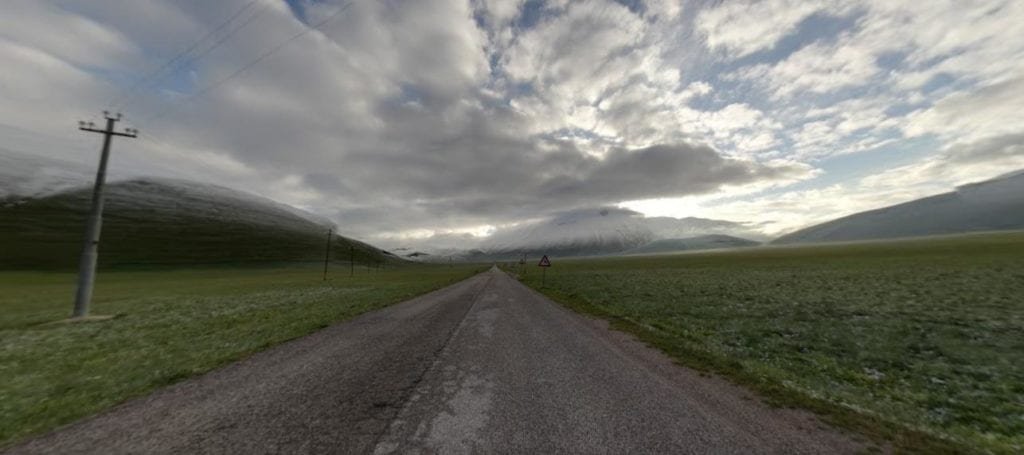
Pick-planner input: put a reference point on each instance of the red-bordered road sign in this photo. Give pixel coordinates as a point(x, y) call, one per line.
point(544, 262)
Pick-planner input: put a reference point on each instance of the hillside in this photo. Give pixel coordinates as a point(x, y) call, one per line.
point(992, 205)
point(167, 222)
point(704, 242)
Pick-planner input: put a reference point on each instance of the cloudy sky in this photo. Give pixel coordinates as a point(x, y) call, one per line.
point(411, 118)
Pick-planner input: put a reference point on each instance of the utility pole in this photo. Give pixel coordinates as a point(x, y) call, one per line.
point(87, 265)
point(327, 252)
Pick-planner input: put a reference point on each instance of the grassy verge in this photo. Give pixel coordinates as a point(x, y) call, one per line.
point(169, 325)
point(920, 342)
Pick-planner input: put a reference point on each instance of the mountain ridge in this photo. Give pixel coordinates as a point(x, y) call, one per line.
point(991, 205)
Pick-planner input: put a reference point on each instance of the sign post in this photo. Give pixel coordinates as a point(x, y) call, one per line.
point(544, 264)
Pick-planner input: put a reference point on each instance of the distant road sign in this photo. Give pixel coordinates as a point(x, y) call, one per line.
point(544, 262)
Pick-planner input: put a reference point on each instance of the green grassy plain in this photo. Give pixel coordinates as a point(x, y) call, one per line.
point(918, 342)
point(169, 325)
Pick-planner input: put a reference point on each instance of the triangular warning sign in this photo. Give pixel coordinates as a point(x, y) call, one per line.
point(544, 262)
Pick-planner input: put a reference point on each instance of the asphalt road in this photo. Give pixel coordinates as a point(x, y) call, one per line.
point(483, 366)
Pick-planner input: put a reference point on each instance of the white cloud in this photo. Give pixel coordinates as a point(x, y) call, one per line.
point(817, 68)
point(741, 28)
point(665, 10)
point(70, 37)
point(989, 111)
point(580, 54)
point(44, 93)
point(500, 11)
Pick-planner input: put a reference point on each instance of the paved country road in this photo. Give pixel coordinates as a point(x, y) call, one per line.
point(484, 366)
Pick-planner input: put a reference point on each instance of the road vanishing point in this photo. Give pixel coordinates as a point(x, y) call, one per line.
point(486, 365)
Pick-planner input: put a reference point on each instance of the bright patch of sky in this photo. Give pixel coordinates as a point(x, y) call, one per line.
point(405, 119)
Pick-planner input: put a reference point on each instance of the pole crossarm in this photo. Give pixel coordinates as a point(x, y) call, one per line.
point(128, 132)
point(111, 119)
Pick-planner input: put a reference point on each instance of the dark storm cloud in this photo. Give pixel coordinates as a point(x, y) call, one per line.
point(659, 171)
point(483, 177)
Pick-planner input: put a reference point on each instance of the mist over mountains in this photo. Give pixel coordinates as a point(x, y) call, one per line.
point(42, 184)
point(598, 231)
point(991, 205)
point(24, 176)
point(588, 232)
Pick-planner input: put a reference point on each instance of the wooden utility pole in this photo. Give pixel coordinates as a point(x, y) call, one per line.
point(327, 252)
point(87, 264)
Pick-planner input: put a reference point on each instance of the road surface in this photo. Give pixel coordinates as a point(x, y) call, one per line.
point(484, 366)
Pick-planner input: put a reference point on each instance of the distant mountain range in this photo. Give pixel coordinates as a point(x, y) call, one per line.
point(991, 205)
point(575, 233)
point(595, 232)
point(155, 221)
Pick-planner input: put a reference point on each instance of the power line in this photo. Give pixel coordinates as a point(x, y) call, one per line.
point(128, 94)
point(191, 60)
point(251, 64)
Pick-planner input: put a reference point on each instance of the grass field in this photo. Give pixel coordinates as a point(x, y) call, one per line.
point(169, 325)
point(920, 342)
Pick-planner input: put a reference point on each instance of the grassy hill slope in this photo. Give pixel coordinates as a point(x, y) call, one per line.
point(167, 222)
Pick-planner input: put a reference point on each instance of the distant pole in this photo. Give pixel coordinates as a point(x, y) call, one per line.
point(352, 260)
point(327, 252)
point(543, 276)
point(87, 263)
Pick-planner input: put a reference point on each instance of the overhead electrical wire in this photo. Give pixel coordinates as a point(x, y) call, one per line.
point(249, 65)
point(138, 84)
point(181, 61)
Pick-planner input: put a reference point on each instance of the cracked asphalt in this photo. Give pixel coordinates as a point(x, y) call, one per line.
point(486, 365)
